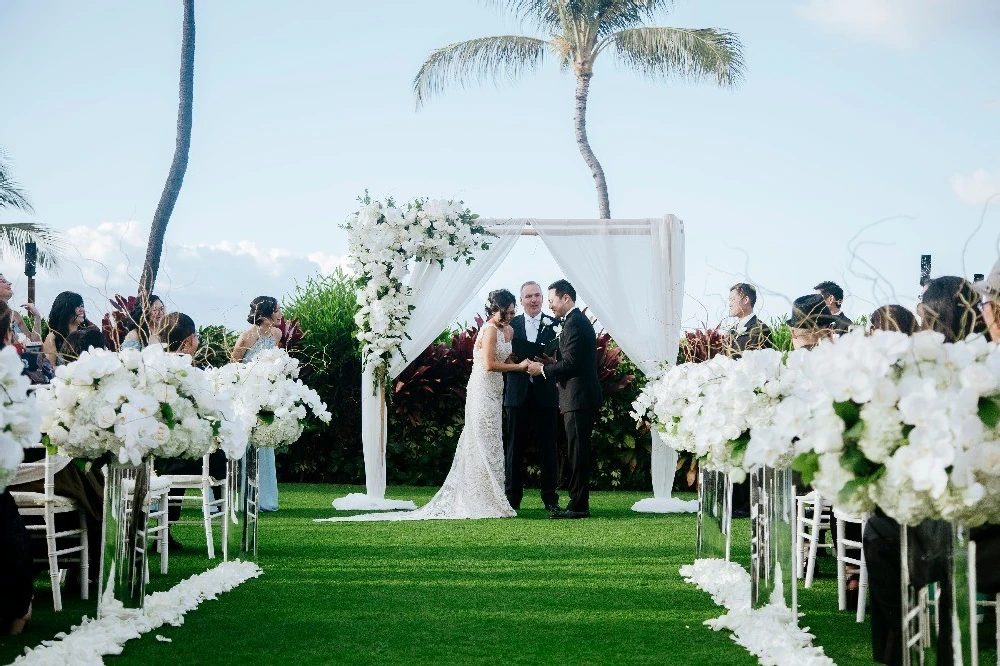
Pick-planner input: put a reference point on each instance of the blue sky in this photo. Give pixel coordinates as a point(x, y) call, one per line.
point(866, 133)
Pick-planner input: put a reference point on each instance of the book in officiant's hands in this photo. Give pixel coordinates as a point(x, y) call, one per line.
point(533, 350)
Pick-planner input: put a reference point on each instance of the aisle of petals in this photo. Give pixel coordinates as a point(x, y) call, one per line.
point(770, 633)
point(87, 643)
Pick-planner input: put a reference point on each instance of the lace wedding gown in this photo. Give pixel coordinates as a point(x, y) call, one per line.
point(475, 485)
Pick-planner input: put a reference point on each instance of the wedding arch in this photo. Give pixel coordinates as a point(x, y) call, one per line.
point(630, 273)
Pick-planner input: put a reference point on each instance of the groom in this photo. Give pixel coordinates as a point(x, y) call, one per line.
point(575, 373)
point(532, 407)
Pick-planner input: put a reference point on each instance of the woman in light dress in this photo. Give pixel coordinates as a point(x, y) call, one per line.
point(475, 485)
point(265, 315)
point(145, 323)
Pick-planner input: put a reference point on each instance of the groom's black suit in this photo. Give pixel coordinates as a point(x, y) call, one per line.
point(580, 398)
point(532, 407)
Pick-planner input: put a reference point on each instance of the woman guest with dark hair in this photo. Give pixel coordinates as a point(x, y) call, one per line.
point(811, 321)
point(67, 315)
point(893, 318)
point(264, 317)
point(80, 341)
point(17, 324)
point(144, 323)
point(951, 306)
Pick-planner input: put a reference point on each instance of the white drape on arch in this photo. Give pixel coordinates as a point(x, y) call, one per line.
point(630, 273)
point(439, 296)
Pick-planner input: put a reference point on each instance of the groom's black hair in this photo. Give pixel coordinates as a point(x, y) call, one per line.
point(563, 287)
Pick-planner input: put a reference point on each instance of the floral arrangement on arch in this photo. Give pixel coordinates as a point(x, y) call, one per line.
point(18, 414)
point(269, 397)
point(136, 404)
point(382, 240)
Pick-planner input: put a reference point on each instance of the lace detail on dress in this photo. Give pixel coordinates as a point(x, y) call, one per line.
point(475, 485)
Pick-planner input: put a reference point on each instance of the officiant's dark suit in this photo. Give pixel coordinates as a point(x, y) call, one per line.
point(580, 398)
point(531, 405)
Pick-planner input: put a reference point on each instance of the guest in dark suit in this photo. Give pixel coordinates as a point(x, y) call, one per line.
point(531, 405)
point(749, 331)
point(580, 397)
point(833, 296)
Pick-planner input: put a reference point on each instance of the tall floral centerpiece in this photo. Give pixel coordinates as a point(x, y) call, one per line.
point(274, 403)
point(125, 408)
point(18, 414)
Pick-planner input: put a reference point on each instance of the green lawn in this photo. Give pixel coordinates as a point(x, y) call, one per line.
point(527, 590)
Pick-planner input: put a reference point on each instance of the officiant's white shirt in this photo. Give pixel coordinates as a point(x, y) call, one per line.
point(531, 326)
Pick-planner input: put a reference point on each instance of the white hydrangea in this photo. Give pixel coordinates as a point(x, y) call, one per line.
point(135, 404)
point(19, 418)
point(269, 398)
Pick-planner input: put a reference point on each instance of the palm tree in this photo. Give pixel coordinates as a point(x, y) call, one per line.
point(178, 167)
point(578, 32)
point(14, 235)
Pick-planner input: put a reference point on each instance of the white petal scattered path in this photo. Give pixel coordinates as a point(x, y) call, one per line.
point(87, 643)
point(770, 633)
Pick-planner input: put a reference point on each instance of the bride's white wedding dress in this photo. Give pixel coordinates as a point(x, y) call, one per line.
point(475, 485)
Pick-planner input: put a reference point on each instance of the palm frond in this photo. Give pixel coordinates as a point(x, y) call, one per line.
point(14, 236)
point(616, 15)
point(688, 54)
point(11, 195)
point(539, 14)
point(504, 57)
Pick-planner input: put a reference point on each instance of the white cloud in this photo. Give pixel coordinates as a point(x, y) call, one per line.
point(901, 24)
point(976, 187)
point(213, 283)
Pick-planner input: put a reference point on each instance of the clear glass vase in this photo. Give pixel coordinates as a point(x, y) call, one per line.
point(241, 526)
point(122, 581)
point(715, 509)
point(772, 538)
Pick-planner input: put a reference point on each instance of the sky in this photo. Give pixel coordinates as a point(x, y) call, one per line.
point(865, 133)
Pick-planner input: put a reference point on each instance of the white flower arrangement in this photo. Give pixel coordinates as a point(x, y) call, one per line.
point(712, 409)
point(270, 397)
point(382, 239)
point(908, 424)
point(18, 414)
point(135, 404)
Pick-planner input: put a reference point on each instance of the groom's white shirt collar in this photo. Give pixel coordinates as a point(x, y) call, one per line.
point(742, 325)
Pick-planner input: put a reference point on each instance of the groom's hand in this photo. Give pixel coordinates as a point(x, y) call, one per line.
point(534, 368)
point(546, 360)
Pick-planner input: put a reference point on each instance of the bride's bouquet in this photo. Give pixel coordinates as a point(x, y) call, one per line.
point(135, 404)
point(271, 397)
point(18, 414)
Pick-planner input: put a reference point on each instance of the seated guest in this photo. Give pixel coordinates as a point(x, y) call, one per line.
point(833, 296)
point(17, 324)
point(893, 318)
point(144, 324)
point(17, 572)
point(748, 333)
point(811, 321)
point(989, 288)
point(180, 336)
point(80, 341)
point(951, 306)
point(67, 315)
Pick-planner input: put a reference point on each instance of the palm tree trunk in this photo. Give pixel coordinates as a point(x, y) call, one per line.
point(580, 121)
point(175, 178)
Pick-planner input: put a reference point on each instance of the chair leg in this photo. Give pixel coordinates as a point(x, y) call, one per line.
point(50, 544)
point(813, 547)
point(163, 536)
point(800, 520)
point(84, 557)
point(862, 589)
point(841, 568)
point(206, 516)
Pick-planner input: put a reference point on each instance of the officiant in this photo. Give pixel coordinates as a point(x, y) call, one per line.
point(531, 404)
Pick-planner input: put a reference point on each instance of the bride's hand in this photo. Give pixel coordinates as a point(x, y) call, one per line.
point(523, 365)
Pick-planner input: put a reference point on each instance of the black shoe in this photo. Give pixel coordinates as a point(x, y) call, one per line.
point(567, 514)
point(741, 513)
point(173, 545)
point(554, 508)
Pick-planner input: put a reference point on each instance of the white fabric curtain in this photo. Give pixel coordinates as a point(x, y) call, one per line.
point(440, 295)
point(630, 273)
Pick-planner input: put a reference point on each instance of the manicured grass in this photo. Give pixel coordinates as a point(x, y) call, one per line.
point(527, 590)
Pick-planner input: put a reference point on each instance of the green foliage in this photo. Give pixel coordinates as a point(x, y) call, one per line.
point(331, 364)
point(781, 334)
point(216, 346)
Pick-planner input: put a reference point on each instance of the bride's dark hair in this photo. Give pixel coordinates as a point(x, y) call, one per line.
point(498, 301)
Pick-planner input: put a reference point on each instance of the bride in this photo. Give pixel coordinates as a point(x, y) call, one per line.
point(475, 485)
